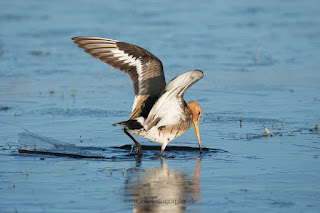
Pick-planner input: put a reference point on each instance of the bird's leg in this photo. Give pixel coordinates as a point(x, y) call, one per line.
point(163, 146)
point(136, 142)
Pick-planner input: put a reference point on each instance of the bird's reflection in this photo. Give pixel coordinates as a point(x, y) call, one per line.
point(162, 189)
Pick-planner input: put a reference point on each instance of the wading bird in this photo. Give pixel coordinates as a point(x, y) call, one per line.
point(159, 112)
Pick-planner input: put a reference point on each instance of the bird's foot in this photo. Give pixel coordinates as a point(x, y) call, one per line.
point(136, 150)
point(157, 157)
point(162, 157)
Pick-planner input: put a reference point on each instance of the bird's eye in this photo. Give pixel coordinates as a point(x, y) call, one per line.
point(199, 113)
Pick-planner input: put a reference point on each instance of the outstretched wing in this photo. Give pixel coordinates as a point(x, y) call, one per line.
point(170, 107)
point(144, 69)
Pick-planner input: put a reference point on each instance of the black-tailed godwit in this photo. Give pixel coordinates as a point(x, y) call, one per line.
point(159, 112)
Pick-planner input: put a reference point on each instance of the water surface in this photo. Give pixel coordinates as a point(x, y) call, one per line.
point(261, 67)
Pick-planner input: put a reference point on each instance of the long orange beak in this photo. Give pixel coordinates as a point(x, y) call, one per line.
point(196, 127)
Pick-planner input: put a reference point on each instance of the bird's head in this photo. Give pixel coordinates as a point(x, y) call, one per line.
point(196, 114)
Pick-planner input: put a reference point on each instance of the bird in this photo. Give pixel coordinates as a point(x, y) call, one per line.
point(159, 111)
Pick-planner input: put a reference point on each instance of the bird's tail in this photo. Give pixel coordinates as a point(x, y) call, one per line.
point(130, 124)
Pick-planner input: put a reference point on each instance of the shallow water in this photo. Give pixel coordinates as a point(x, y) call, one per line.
point(261, 67)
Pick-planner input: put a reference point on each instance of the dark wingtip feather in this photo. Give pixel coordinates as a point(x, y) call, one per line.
point(130, 124)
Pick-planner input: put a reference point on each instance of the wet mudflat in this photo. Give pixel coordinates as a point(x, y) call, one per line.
point(261, 69)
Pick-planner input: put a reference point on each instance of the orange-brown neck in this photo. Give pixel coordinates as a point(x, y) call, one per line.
point(196, 110)
point(196, 113)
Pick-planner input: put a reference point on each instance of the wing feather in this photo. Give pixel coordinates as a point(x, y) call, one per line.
point(169, 109)
point(144, 69)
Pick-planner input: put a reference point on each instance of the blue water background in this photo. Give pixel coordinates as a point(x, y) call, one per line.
point(261, 67)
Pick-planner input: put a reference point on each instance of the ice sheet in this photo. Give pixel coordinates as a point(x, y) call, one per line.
point(32, 142)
